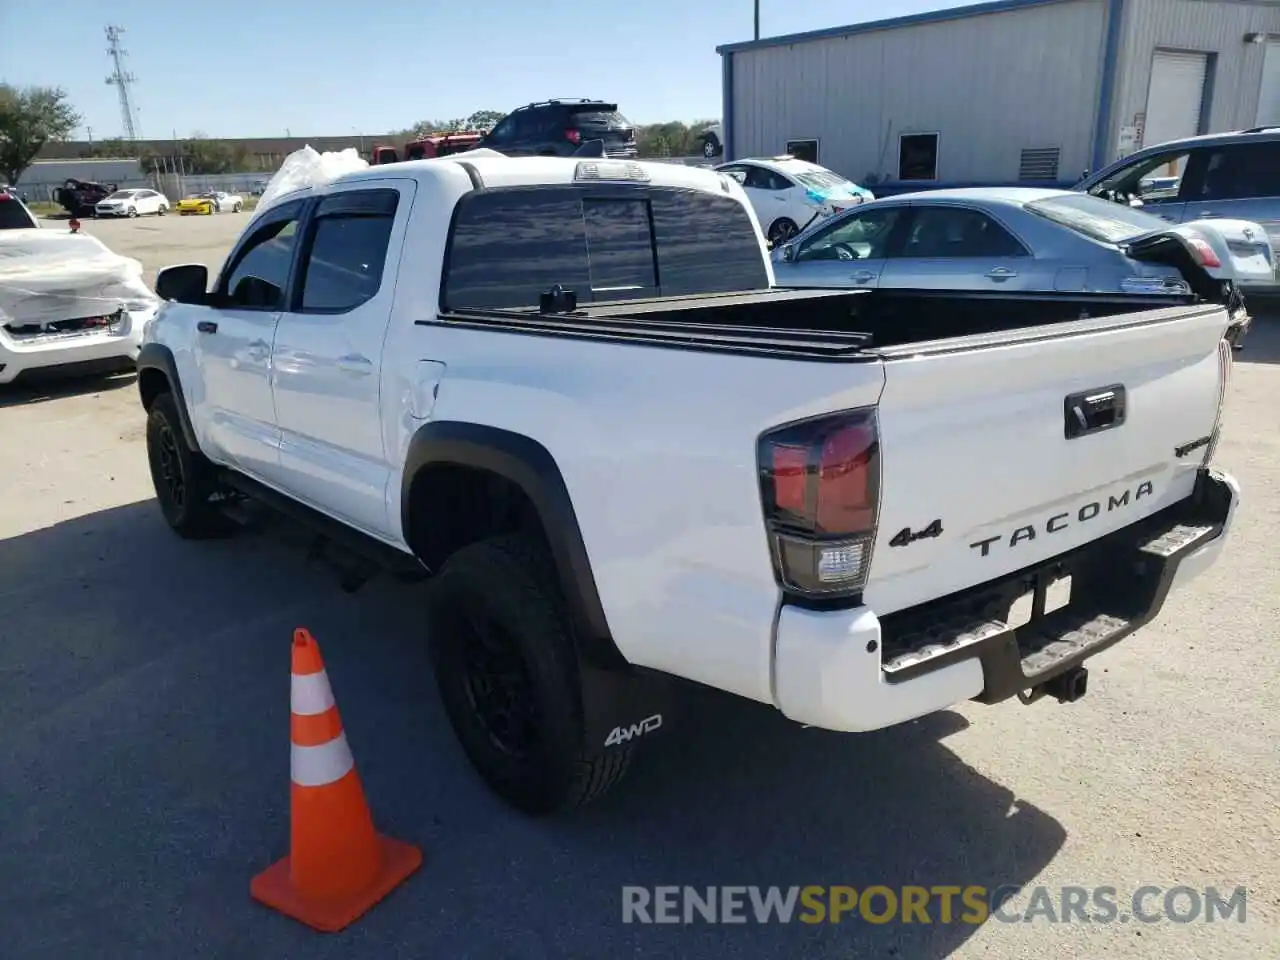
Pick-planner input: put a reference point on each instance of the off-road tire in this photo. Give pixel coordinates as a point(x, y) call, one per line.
point(187, 506)
point(506, 583)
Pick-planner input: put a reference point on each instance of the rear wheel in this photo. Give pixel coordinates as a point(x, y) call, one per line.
point(507, 674)
point(710, 147)
point(237, 208)
point(184, 480)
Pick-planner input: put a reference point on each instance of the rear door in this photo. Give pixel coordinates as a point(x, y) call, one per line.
point(327, 356)
point(848, 251)
point(980, 435)
point(1239, 181)
point(957, 247)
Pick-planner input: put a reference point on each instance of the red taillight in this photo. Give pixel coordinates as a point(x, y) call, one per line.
point(820, 490)
point(1203, 253)
point(573, 136)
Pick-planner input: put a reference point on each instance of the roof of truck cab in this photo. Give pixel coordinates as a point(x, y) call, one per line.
point(495, 169)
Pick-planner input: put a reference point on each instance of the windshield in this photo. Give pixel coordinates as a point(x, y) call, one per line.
point(121, 195)
point(1096, 218)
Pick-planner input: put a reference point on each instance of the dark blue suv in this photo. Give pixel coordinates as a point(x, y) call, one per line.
point(557, 128)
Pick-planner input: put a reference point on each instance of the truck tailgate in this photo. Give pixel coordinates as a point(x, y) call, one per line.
point(1002, 451)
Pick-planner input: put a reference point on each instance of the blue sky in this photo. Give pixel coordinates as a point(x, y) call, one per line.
point(264, 67)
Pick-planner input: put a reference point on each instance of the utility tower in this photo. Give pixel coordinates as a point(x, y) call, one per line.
point(122, 80)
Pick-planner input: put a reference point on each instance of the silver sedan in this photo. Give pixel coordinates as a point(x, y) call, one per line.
point(1014, 239)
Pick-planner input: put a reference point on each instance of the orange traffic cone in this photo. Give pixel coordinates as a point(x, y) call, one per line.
point(338, 866)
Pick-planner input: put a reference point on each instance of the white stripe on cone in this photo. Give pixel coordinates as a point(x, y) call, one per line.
point(310, 693)
point(322, 765)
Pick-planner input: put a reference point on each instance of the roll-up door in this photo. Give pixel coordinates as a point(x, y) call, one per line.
point(1269, 95)
point(1175, 97)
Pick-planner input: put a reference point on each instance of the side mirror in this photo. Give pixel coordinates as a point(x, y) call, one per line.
point(185, 283)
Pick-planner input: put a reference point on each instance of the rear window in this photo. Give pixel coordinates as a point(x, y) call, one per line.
point(510, 245)
point(597, 117)
point(13, 215)
point(1098, 219)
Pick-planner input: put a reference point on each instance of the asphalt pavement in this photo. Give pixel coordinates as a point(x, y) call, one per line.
point(144, 772)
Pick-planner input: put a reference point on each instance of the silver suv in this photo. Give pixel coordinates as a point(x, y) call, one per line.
point(1233, 175)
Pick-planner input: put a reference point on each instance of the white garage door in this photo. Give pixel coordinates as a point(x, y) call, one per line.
point(1269, 95)
point(1173, 102)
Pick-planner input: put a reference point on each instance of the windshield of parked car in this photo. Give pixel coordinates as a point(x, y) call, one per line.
point(121, 195)
point(1096, 218)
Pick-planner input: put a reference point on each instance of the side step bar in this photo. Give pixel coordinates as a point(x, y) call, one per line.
point(355, 557)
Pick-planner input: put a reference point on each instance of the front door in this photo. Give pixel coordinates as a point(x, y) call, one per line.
point(233, 347)
point(328, 354)
point(850, 250)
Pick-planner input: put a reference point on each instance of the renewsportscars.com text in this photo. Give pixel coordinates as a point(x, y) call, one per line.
point(938, 904)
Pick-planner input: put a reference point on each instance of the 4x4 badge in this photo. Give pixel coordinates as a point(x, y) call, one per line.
point(905, 536)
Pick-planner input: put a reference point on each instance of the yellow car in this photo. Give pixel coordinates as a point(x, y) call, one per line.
point(214, 201)
point(191, 205)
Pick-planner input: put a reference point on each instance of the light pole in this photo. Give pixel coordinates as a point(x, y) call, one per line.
point(757, 4)
point(357, 132)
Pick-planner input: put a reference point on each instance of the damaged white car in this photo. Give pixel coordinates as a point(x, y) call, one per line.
point(67, 301)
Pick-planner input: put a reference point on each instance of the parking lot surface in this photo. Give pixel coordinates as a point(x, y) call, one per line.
point(144, 771)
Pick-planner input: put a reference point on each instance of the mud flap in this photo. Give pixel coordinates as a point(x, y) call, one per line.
point(624, 705)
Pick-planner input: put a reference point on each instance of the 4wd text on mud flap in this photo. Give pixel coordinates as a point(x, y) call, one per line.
point(1061, 521)
point(620, 735)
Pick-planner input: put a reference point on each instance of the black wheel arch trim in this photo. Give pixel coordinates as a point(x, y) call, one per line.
point(531, 467)
point(156, 356)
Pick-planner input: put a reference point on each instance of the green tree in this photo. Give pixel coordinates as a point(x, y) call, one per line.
point(200, 154)
point(29, 118)
point(484, 119)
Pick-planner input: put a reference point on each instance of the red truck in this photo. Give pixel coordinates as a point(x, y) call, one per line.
point(436, 145)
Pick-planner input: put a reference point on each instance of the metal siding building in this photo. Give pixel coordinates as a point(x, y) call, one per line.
point(1032, 90)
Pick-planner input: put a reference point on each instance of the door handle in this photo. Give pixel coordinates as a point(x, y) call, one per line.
point(862, 276)
point(355, 363)
point(259, 350)
point(1001, 273)
point(1099, 409)
point(1205, 214)
point(207, 326)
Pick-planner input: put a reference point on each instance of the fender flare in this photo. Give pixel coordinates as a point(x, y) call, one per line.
point(530, 467)
point(156, 356)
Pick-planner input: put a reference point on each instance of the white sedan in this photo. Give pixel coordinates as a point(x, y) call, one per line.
point(132, 203)
point(789, 195)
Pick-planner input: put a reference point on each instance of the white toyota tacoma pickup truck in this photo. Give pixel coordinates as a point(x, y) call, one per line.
point(568, 392)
